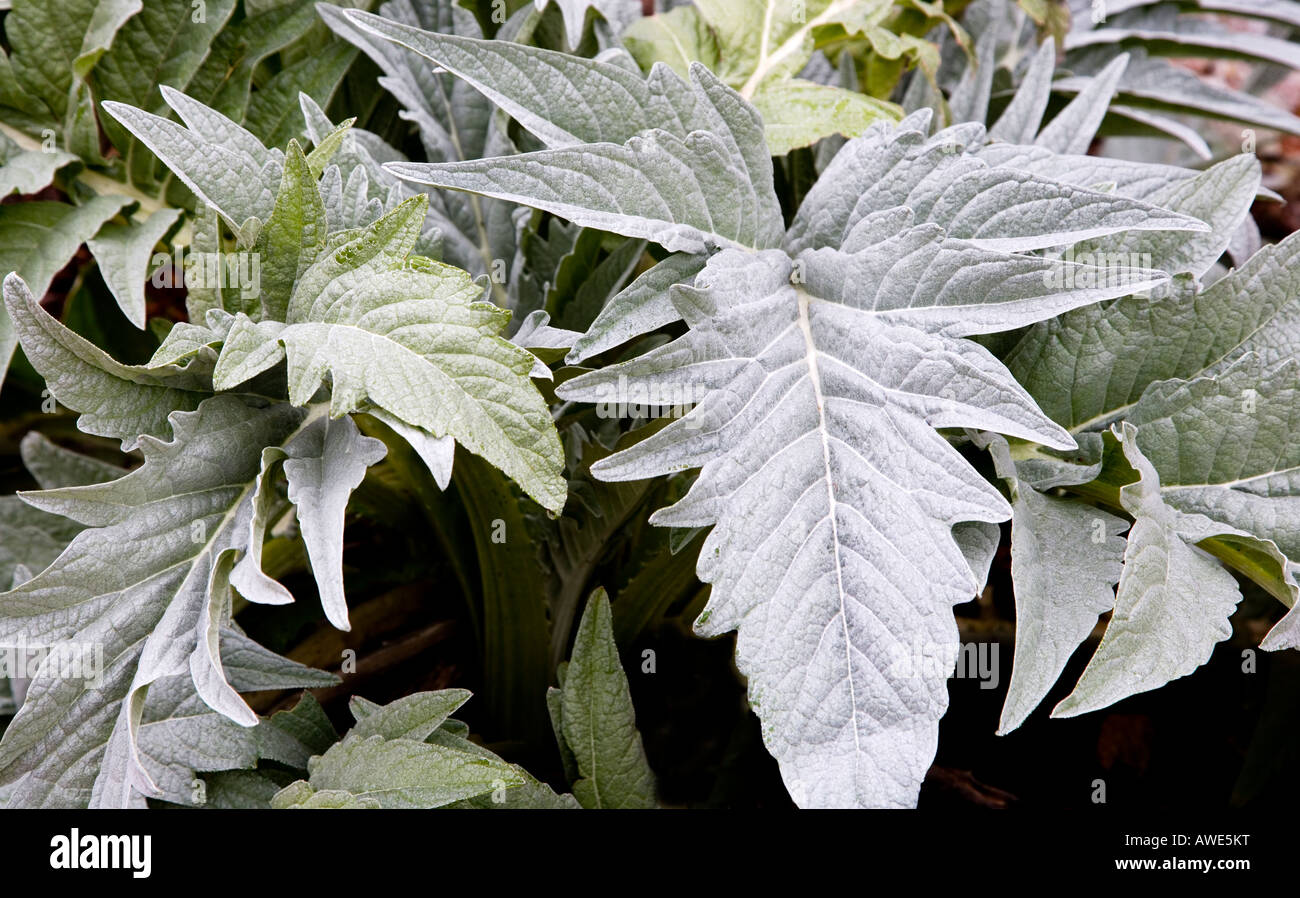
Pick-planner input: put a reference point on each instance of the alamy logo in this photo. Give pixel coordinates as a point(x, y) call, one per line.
point(90, 852)
point(1104, 270)
point(638, 400)
point(971, 660)
point(197, 270)
point(61, 661)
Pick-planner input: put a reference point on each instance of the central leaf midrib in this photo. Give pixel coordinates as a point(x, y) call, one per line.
point(814, 377)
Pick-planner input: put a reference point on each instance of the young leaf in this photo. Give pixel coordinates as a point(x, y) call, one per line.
point(365, 300)
point(325, 463)
point(413, 717)
point(597, 723)
point(758, 48)
point(294, 235)
point(676, 38)
point(396, 773)
point(798, 113)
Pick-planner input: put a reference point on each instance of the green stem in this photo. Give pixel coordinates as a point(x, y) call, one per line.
point(516, 634)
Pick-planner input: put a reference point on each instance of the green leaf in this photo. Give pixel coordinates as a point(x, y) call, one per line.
point(577, 542)
point(798, 113)
point(422, 717)
point(241, 789)
point(440, 349)
point(1221, 445)
point(676, 38)
point(576, 304)
point(36, 240)
point(293, 237)
point(162, 44)
point(180, 736)
point(397, 773)
point(301, 795)
point(455, 123)
point(516, 634)
point(597, 721)
point(412, 717)
point(767, 41)
point(1089, 367)
point(28, 170)
point(273, 114)
point(54, 46)
point(533, 794)
point(30, 538)
point(224, 79)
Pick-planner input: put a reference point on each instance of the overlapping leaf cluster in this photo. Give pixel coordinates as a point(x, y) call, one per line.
point(841, 343)
point(945, 328)
point(65, 62)
point(223, 409)
point(1121, 60)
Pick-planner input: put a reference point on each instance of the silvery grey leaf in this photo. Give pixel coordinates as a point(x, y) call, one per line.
point(640, 307)
point(1073, 128)
point(325, 463)
point(124, 252)
point(1021, 120)
point(1065, 561)
point(1172, 604)
point(814, 549)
